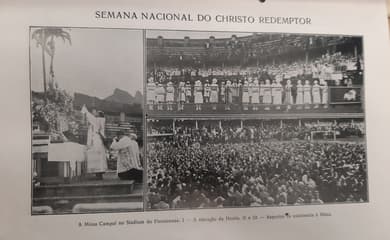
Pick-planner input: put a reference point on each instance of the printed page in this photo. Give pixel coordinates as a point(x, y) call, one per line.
point(194, 120)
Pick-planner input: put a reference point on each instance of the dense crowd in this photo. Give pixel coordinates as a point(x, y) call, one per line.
point(235, 133)
point(321, 68)
point(255, 174)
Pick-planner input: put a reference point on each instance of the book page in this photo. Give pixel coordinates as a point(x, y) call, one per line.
point(199, 120)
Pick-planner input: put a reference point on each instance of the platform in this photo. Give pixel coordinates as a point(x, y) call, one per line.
point(62, 198)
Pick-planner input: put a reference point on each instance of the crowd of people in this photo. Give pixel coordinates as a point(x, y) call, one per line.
point(295, 83)
point(235, 133)
point(268, 173)
point(234, 163)
point(321, 68)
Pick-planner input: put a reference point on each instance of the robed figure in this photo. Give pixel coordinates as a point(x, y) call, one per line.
point(129, 165)
point(96, 151)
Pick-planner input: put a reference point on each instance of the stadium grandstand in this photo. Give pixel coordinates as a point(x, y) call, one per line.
point(263, 119)
point(256, 73)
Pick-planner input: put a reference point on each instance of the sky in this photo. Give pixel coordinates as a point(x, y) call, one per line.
point(97, 62)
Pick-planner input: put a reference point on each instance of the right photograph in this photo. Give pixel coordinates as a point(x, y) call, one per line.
point(254, 119)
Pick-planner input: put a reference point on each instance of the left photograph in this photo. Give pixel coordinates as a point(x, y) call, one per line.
point(87, 120)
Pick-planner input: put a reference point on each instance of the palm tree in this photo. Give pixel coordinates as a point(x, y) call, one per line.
point(45, 39)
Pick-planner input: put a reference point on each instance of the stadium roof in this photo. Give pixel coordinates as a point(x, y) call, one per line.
point(193, 34)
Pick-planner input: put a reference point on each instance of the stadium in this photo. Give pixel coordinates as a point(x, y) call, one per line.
point(263, 119)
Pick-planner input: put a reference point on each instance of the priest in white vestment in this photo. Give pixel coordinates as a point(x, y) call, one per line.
point(96, 151)
point(129, 164)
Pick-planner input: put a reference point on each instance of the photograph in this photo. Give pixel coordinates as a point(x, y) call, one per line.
point(87, 120)
point(240, 119)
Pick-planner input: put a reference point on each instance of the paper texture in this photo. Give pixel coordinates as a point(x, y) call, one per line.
point(194, 120)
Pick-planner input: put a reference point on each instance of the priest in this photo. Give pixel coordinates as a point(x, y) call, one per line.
point(129, 165)
point(96, 151)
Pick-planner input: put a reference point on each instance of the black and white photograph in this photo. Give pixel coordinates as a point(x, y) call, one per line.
point(87, 120)
point(254, 119)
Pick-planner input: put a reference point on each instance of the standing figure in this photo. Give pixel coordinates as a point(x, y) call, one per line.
point(277, 91)
point(267, 98)
point(299, 99)
point(129, 165)
point(160, 97)
point(170, 96)
point(288, 99)
point(245, 95)
point(273, 91)
point(188, 92)
point(96, 151)
point(229, 95)
point(181, 96)
point(214, 93)
point(255, 95)
point(198, 89)
point(235, 91)
point(250, 81)
point(239, 91)
point(324, 93)
point(223, 92)
point(307, 94)
point(261, 92)
point(349, 82)
point(151, 93)
point(322, 74)
point(207, 91)
point(315, 70)
point(328, 72)
point(316, 92)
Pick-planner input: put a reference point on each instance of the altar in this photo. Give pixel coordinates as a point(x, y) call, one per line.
point(56, 162)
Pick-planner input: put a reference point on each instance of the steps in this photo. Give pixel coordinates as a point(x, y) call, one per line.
point(63, 197)
point(107, 207)
point(110, 175)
